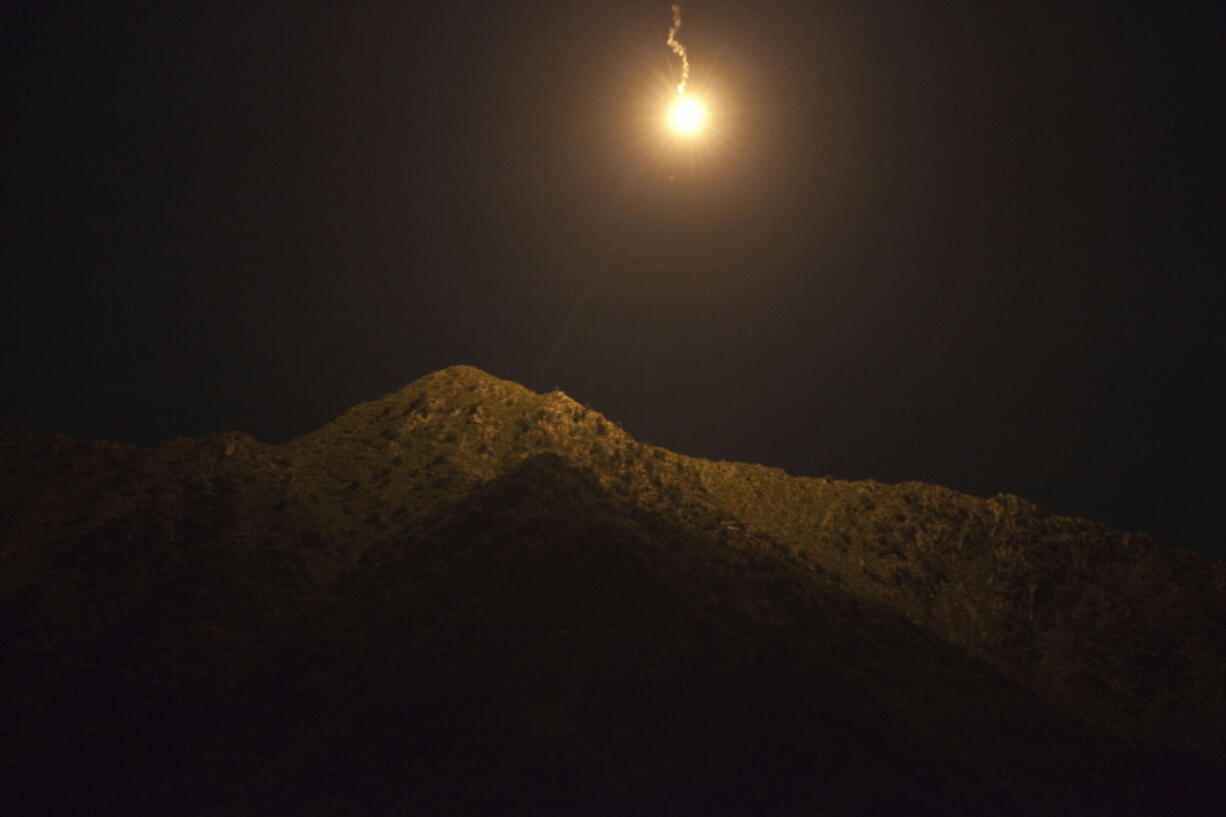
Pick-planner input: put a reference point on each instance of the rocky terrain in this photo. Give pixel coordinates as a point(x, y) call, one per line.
point(468, 598)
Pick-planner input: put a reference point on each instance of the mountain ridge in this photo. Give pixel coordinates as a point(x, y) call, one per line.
point(232, 556)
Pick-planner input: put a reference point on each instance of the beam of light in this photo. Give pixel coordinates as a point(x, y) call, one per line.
point(679, 49)
point(583, 297)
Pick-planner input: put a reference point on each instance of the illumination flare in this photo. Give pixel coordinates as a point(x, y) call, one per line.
point(679, 49)
point(687, 116)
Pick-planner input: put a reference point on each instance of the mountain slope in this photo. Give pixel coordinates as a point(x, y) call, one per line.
point(469, 598)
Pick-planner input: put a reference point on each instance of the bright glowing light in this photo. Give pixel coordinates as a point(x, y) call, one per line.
point(688, 115)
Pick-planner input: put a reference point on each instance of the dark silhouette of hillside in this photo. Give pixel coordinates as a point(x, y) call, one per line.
point(467, 598)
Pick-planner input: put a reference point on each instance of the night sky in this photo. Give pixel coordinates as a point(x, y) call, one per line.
point(970, 243)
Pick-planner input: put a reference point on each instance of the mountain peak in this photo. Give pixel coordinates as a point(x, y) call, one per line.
point(460, 375)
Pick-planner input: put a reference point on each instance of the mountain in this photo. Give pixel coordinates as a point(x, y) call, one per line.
point(468, 598)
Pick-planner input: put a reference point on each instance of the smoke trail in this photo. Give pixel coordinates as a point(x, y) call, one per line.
point(679, 49)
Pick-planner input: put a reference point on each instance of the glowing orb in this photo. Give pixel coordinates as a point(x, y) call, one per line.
point(688, 115)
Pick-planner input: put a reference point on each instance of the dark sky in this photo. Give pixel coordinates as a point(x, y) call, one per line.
point(972, 243)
